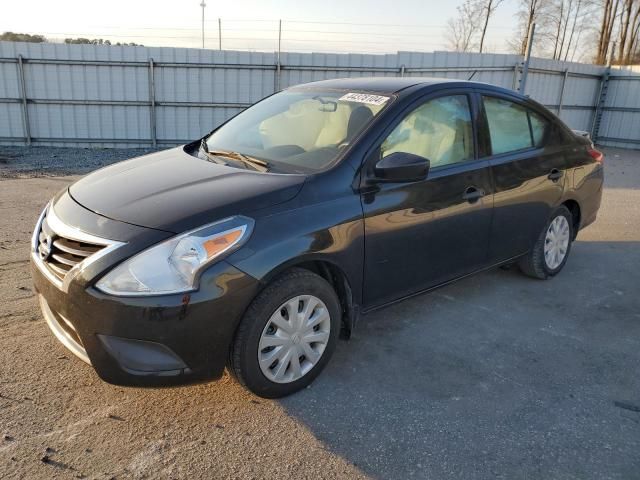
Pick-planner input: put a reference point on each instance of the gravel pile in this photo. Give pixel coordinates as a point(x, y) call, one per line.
point(20, 162)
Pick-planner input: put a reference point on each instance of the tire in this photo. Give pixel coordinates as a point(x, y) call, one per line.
point(536, 264)
point(299, 288)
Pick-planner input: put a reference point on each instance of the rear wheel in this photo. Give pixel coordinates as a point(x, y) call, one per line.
point(552, 248)
point(287, 335)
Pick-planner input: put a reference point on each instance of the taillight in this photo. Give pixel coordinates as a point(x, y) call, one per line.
point(597, 155)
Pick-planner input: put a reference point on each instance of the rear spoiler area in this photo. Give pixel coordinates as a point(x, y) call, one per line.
point(582, 133)
point(585, 137)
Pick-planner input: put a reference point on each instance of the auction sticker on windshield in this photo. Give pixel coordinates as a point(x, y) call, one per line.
point(364, 98)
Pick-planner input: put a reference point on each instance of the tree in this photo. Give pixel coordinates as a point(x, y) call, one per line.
point(22, 37)
point(97, 41)
point(469, 28)
point(560, 16)
point(620, 25)
point(628, 31)
point(584, 31)
point(488, 9)
point(86, 41)
point(610, 12)
point(632, 55)
point(530, 12)
point(573, 28)
point(567, 16)
point(560, 26)
point(464, 28)
point(26, 37)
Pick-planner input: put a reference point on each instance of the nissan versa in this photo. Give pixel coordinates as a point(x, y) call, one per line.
point(258, 245)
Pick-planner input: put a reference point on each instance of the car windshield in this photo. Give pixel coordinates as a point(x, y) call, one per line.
point(301, 131)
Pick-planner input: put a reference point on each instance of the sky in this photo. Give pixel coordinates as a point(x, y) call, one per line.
point(321, 25)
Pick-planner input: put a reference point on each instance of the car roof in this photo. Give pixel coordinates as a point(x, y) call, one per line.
point(382, 84)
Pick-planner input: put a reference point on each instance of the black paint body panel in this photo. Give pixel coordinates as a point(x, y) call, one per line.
point(198, 326)
point(174, 191)
point(387, 241)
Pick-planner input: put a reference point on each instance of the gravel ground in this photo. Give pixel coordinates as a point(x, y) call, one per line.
point(496, 376)
point(21, 162)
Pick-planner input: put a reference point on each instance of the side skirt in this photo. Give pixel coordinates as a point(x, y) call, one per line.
point(429, 289)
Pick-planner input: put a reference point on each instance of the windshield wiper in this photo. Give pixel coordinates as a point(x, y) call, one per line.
point(256, 163)
point(204, 148)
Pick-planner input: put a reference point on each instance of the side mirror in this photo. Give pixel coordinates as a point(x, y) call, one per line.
point(402, 167)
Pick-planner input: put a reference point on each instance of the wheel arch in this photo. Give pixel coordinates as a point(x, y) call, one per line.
point(576, 214)
point(335, 276)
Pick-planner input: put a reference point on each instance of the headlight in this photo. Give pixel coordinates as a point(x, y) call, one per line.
point(174, 265)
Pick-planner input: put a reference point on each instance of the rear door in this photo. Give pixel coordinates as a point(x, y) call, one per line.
point(528, 169)
point(420, 234)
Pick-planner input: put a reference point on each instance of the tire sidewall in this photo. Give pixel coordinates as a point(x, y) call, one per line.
point(259, 314)
point(560, 211)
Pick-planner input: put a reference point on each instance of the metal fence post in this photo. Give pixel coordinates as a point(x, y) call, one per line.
point(152, 103)
point(278, 73)
point(600, 103)
point(527, 59)
point(516, 73)
point(565, 75)
point(202, 4)
point(602, 97)
point(25, 110)
point(278, 69)
point(402, 70)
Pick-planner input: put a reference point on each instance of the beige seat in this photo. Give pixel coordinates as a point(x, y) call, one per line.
point(435, 131)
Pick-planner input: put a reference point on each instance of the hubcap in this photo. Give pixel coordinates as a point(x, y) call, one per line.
point(556, 242)
point(294, 339)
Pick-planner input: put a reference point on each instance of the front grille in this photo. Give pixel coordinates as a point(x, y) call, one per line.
point(60, 254)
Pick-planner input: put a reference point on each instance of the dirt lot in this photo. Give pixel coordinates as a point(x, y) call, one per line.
point(497, 376)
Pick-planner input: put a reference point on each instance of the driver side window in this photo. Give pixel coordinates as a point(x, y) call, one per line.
point(439, 130)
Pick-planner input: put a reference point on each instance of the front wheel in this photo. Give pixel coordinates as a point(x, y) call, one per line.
point(552, 248)
point(287, 335)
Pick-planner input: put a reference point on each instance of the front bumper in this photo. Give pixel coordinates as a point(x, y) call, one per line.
point(153, 340)
point(150, 341)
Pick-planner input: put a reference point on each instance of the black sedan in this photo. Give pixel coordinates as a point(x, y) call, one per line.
point(261, 244)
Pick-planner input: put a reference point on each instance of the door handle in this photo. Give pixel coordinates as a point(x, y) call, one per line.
point(554, 175)
point(473, 194)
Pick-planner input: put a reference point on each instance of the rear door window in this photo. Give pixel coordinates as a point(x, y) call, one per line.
point(538, 128)
point(513, 127)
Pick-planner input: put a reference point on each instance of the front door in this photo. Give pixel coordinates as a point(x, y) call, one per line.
point(421, 234)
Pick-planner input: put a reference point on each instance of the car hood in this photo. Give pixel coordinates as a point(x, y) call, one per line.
point(175, 191)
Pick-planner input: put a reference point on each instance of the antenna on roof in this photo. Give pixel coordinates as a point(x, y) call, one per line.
point(472, 75)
